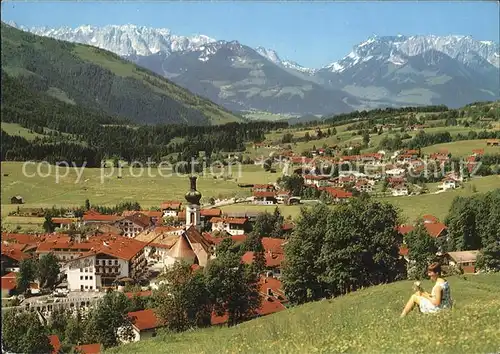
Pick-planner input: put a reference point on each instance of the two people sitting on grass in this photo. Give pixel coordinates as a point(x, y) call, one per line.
point(437, 300)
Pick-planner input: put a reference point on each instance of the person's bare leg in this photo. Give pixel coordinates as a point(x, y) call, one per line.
point(414, 300)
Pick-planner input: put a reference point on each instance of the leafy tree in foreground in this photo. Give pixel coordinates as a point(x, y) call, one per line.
point(48, 271)
point(183, 301)
point(422, 250)
point(233, 288)
point(22, 332)
point(106, 318)
point(26, 275)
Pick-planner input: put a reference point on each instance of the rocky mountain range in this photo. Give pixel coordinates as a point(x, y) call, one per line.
point(382, 71)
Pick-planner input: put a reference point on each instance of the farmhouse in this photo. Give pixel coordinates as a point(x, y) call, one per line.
point(399, 190)
point(265, 198)
point(170, 208)
point(464, 259)
point(134, 224)
point(94, 217)
point(12, 255)
point(317, 181)
point(493, 142)
point(17, 200)
point(144, 324)
point(233, 226)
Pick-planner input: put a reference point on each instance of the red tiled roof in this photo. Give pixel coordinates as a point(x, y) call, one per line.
point(433, 229)
point(478, 151)
point(14, 252)
point(264, 194)
point(211, 212)
point(218, 320)
point(144, 319)
point(55, 342)
point(337, 193)
point(171, 205)
point(139, 293)
point(273, 244)
point(272, 259)
point(139, 219)
point(403, 250)
point(22, 238)
point(9, 281)
point(270, 305)
point(430, 218)
point(239, 221)
point(89, 348)
point(287, 226)
point(64, 221)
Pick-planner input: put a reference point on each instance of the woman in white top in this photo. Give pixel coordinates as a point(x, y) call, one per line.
point(438, 299)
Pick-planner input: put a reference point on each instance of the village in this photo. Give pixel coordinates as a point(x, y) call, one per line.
point(130, 251)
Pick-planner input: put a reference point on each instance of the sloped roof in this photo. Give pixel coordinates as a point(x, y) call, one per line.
point(194, 236)
point(144, 319)
point(14, 252)
point(239, 221)
point(9, 281)
point(464, 256)
point(55, 342)
point(94, 348)
point(139, 219)
point(182, 249)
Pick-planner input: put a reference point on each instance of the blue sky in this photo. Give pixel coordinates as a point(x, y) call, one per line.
point(313, 34)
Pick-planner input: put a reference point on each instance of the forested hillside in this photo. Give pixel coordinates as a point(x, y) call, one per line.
point(77, 134)
point(92, 78)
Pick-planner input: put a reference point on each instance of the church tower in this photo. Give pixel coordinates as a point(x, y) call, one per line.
point(193, 207)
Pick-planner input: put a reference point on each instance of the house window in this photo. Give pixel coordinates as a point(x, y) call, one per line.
point(86, 286)
point(86, 270)
point(81, 270)
point(110, 262)
point(90, 287)
point(116, 262)
point(81, 277)
point(90, 277)
point(86, 278)
point(81, 287)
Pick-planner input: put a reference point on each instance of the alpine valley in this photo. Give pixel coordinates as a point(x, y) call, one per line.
point(382, 71)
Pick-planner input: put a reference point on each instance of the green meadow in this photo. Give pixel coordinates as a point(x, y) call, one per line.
point(366, 321)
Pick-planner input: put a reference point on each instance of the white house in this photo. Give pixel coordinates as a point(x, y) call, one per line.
point(318, 181)
point(144, 325)
point(170, 208)
point(399, 190)
point(233, 226)
point(134, 224)
point(113, 258)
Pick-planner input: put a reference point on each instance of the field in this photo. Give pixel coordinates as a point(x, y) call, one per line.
point(366, 321)
point(16, 129)
point(462, 148)
point(72, 190)
point(438, 204)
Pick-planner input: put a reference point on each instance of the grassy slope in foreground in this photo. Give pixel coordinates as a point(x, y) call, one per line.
point(363, 321)
point(110, 85)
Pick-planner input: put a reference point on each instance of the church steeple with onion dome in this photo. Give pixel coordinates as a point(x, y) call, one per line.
point(193, 198)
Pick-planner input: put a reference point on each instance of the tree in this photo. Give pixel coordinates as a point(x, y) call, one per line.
point(75, 329)
point(26, 275)
point(301, 271)
point(22, 332)
point(48, 225)
point(294, 184)
point(366, 138)
point(58, 321)
point(48, 271)
point(233, 288)
point(334, 131)
point(421, 251)
point(489, 258)
point(259, 262)
point(253, 243)
point(87, 204)
point(307, 137)
point(106, 318)
point(183, 301)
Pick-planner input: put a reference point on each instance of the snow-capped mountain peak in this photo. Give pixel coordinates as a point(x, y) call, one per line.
point(394, 49)
point(125, 40)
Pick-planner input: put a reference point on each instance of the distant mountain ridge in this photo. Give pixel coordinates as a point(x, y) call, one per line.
point(100, 80)
point(381, 71)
